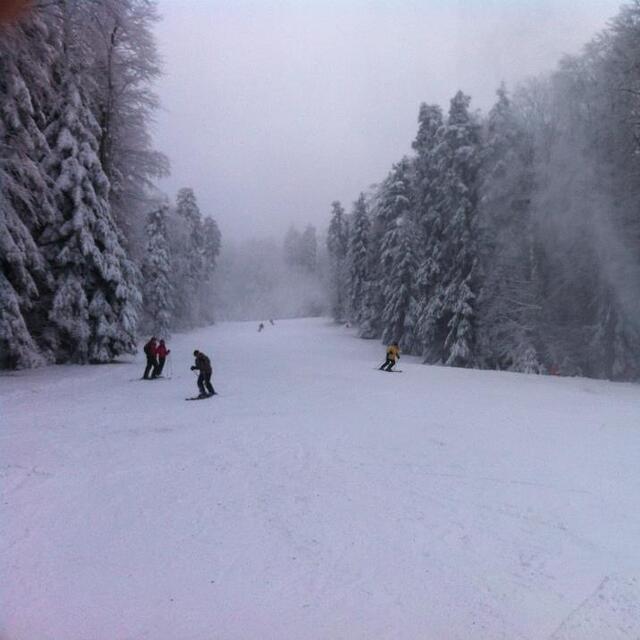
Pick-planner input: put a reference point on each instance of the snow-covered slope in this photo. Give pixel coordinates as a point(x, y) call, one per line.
point(316, 498)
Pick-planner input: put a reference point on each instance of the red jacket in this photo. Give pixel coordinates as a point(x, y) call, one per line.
point(151, 348)
point(162, 351)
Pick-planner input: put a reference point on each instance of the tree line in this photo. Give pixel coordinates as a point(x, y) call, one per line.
point(85, 256)
point(511, 240)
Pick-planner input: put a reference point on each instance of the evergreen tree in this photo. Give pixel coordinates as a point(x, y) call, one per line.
point(18, 257)
point(337, 245)
point(428, 222)
point(187, 248)
point(95, 303)
point(25, 191)
point(158, 291)
point(400, 312)
point(448, 318)
point(212, 240)
point(392, 218)
point(358, 259)
point(427, 170)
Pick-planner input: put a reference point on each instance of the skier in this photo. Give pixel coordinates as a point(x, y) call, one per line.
point(162, 352)
point(260, 327)
point(271, 322)
point(150, 351)
point(393, 355)
point(203, 365)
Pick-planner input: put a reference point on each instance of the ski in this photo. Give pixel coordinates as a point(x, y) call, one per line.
point(203, 397)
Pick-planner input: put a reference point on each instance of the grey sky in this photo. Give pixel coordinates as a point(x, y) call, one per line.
point(271, 110)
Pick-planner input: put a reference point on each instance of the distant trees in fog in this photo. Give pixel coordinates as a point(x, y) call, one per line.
point(261, 279)
point(510, 241)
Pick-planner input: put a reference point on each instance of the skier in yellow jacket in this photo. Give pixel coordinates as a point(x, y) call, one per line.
point(393, 355)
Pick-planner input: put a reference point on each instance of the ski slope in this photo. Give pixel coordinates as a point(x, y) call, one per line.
point(316, 498)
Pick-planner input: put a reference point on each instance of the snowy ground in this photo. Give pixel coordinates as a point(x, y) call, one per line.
point(316, 498)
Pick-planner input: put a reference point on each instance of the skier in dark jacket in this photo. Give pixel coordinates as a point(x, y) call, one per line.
point(203, 365)
point(162, 352)
point(152, 362)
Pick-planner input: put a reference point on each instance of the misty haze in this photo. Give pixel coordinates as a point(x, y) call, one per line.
point(267, 207)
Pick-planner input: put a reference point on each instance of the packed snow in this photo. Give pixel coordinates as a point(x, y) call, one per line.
point(316, 498)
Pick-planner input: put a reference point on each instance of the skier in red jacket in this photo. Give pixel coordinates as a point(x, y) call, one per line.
point(162, 352)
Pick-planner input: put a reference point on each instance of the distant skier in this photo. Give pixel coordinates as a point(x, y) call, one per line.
point(260, 327)
point(203, 365)
point(150, 351)
point(393, 355)
point(271, 322)
point(162, 352)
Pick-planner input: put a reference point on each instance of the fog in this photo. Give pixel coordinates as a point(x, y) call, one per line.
point(272, 110)
point(254, 282)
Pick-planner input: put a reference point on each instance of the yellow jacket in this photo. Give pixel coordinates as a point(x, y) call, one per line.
point(393, 353)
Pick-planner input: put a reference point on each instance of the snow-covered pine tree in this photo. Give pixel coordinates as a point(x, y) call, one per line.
point(158, 294)
point(399, 315)
point(358, 259)
point(21, 261)
point(94, 309)
point(212, 242)
point(449, 318)
point(425, 214)
point(393, 217)
point(337, 246)
point(211, 238)
point(188, 258)
point(507, 308)
point(25, 193)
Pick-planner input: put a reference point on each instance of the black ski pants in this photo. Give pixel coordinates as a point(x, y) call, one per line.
point(388, 365)
point(159, 367)
point(204, 382)
point(152, 364)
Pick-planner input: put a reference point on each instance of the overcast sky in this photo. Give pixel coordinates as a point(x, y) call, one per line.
point(272, 110)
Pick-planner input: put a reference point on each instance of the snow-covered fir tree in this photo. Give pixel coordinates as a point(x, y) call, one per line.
point(358, 259)
point(21, 261)
point(94, 310)
point(212, 242)
point(26, 203)
point(187, 248)
point(399, 316)
point(337, 246)
point(195, 245)
point(427, 222)
point(393, 210)
point(449, 317)
point(158, 293)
